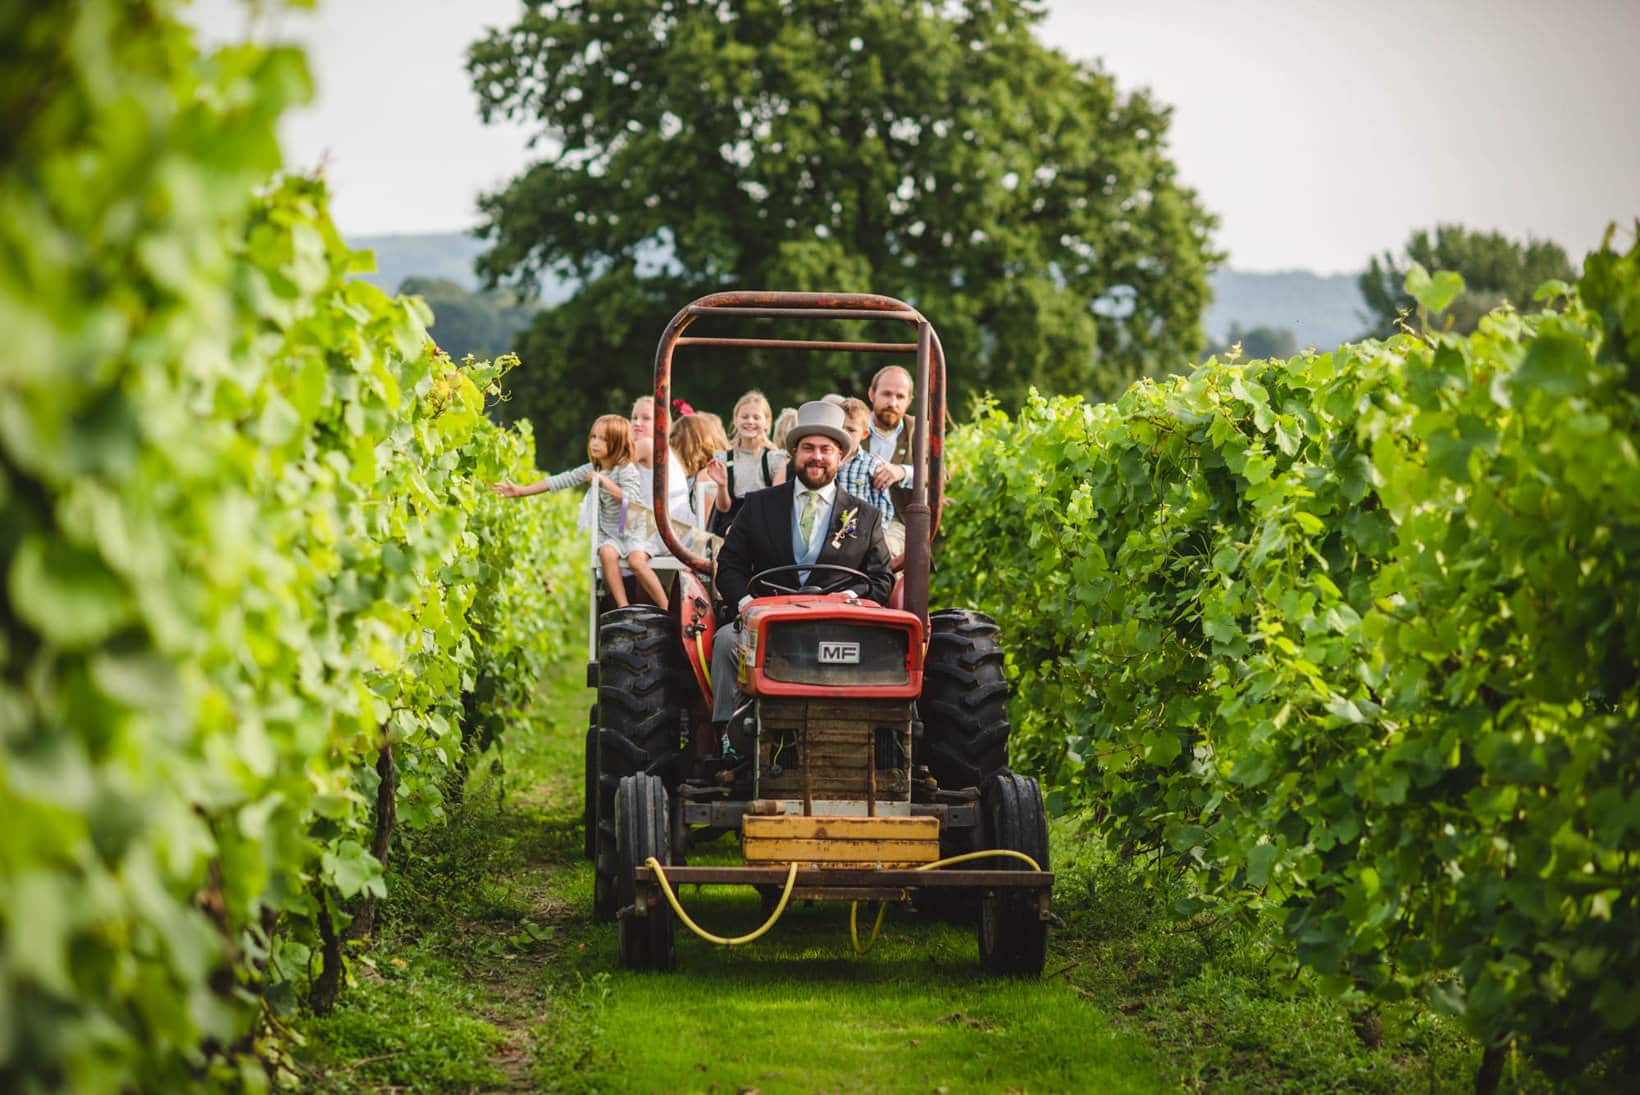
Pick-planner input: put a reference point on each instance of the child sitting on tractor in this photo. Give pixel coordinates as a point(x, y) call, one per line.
point(751, 464)
point(696, 438)
point(855, 475)
point(610, 465)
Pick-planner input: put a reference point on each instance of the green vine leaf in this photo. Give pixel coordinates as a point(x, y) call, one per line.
point(1435, 292)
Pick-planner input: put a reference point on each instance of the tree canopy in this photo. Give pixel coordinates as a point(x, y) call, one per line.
point(1494, 268)
point(939, 153)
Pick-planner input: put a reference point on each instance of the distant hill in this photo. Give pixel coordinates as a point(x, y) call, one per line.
point(444, 255)
point(1320, 310)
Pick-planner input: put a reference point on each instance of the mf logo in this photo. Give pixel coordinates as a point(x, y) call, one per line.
point(839, 653)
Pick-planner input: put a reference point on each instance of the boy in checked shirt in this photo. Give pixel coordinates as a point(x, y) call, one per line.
point(855, 473)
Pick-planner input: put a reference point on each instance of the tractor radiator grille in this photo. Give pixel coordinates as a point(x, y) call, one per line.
point(840, 741)
point(836, 652)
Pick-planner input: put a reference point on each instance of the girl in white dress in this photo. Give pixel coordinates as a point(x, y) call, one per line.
point(697, 438)
point(609, 462)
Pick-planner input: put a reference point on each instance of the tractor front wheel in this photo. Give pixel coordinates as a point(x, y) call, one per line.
point(642, 827)
point(1013, 937)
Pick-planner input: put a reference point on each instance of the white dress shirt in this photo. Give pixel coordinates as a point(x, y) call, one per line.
point(822, 523)
point(827, 494)
point(883, 445)
point(822, 520)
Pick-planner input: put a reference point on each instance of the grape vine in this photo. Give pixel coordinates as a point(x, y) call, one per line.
point(258, 601)
point(1354, 636)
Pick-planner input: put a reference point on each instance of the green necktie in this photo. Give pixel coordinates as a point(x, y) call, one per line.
point(805, 523)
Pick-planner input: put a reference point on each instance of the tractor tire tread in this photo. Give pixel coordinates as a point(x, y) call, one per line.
point(642, 829)
point(1012, 935)
point(964, 702)
point(641, 676)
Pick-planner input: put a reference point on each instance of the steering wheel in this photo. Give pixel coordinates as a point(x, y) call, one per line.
point(842, 576)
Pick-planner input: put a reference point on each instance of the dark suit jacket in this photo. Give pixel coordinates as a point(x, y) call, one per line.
point(761, 537)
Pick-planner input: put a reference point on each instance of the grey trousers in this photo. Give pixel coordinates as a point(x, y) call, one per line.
point(725, 671)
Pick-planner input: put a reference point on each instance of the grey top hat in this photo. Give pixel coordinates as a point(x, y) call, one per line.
point(826, 419)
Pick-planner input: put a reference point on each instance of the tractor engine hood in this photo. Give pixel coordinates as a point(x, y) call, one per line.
point(806, 645)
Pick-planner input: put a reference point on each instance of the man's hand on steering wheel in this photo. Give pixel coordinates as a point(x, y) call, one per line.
point(840, 576)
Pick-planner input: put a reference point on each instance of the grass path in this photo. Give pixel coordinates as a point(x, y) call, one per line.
point(489, 976)
point(796, 1011)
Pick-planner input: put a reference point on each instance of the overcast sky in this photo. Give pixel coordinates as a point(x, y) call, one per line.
point(1319, 132)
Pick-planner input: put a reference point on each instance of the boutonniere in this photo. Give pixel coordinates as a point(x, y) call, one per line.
point(848, 525)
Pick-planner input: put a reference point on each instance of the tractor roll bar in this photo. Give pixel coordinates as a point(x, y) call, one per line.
point(927, 440)
point(804, 344)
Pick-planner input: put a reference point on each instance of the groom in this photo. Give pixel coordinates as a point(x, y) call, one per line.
point(807, 519)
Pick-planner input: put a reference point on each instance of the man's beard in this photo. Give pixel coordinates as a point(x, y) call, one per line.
point(823, 475)
point(887, 418)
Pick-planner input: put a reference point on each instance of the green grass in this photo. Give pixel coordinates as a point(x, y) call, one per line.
point(411, 1022)
point(844, 1030)
point(488, 974)
point(798, 1011)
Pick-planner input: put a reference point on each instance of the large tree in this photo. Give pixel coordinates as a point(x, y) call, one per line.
point(936, 152)
point(1494, 268)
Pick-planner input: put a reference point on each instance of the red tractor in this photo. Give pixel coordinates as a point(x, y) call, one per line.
point(874, 741)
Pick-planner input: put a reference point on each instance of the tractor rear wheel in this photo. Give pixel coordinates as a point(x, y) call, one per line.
point(1013, 937)
point(589, 801)
point(641, 672)
point(964, 703)
point(642, 830)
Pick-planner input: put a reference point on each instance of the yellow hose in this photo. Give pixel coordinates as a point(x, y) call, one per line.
point(882, 907)
point(672, 899)
point(854, 931)
point(705, 662)
point(966, 856)
point(791, 881)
